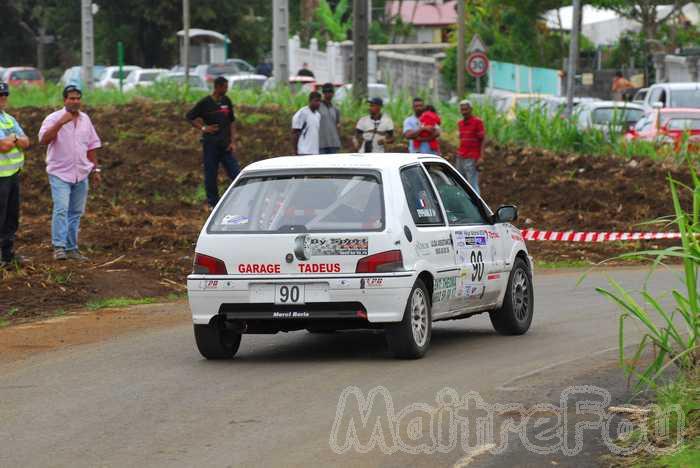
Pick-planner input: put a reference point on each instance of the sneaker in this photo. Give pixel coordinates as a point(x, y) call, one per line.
point(76, 255)
point(59, 254)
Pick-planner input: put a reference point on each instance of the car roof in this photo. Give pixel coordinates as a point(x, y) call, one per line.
point(599, 104)
point(342, 161)
point(689, 85)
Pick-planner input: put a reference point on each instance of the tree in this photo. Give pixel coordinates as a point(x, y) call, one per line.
point(645, 12)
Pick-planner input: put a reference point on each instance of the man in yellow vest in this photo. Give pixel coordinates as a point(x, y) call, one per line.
point(12, 143)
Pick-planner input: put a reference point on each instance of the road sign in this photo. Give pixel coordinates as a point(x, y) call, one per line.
point(477, 64)
point(476, 45)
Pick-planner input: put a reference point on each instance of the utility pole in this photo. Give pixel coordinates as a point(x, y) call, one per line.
point(573, 58)
point(88, 43)
point(460, 48)
point(280, 41)
point(186, 40)
point(360, 48)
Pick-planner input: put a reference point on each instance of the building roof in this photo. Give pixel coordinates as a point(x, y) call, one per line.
point(424, 13)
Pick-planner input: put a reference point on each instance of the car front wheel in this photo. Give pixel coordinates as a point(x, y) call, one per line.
point(214, 342)
point(410, 338)
point(515, 316)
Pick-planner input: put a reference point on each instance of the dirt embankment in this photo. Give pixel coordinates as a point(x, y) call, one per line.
point(142, 222)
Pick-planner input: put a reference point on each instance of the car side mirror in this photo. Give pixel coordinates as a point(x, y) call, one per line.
point(658, 105)
point(507, 214)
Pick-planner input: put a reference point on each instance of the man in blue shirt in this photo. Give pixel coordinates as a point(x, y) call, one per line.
point(412, 128)
point(12, 143)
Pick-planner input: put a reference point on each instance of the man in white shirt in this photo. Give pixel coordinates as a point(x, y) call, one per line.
point(375, 130)
point(305, 126)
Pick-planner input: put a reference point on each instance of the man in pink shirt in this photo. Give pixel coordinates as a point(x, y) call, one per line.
point(70, 160)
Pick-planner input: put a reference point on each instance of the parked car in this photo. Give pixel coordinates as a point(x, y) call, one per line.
point(246, 81)
point(242, 65)
point(673, 95)
point(510, 103)
point(142, 77)
point(195, 81)
point(556, 105)
point(668, 126)
point(73, 76)
point(296, 83)
point(323, 243)
point(27, 76)
point(209, 72)
point(610, 117)
point(379, 90)
point(110, 76)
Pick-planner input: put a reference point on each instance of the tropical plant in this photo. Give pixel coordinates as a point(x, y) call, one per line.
point(335, 23)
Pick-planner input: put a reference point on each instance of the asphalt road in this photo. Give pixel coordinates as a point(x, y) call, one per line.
point(148, 399)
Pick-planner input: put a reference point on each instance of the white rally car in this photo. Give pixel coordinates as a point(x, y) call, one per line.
point(324, 243)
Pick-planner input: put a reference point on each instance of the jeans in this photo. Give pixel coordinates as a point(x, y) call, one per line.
point(68, 206)
point(329, 150)
point(214, 154)
point(9, 214)
point(467, 167)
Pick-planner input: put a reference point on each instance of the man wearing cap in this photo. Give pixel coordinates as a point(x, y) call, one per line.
point(329, 132)
point(70, 161)
point(472, 139)
point(12, 142)
point(375, 130)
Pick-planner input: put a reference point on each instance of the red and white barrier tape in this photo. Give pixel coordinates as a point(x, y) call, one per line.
point(570, 236)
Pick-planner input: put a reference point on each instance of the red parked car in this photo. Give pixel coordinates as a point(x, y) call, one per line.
point(28, 76)
point(668, 126)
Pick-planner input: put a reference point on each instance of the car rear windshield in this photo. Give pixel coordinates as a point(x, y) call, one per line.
point(685, 98)
point(149, 76)
point(222, 69)
point(30, 75)
point(616, 115)
point(682, 122)
point(287, 203)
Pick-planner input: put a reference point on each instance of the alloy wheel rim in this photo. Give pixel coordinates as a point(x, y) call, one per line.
point(419, 317)
point(521, 295)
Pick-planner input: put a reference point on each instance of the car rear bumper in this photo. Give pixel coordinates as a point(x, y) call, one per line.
point(374, 299)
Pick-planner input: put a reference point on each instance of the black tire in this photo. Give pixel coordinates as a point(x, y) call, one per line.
point(515, 316)
point(215, 343)
point(403, 342)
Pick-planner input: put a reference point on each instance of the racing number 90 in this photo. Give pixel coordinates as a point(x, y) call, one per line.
point(477, 259)
point(289, 294)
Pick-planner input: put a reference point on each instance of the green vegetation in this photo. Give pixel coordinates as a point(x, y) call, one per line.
point(562, 264)
point(671, 337)
point(119, 302)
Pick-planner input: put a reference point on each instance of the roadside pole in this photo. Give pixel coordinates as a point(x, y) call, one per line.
point(573, 58)
point(186, 41)
point(120, 62)
point(88, 43)
point(460, 49)
point(280, 41)
point(360, 44)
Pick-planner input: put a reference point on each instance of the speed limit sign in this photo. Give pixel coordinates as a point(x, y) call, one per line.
point(477, 64)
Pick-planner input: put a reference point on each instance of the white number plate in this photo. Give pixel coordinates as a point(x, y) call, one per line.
point(289, 294)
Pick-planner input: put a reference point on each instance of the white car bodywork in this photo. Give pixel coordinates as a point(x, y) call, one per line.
point(606, 116)
point(675, 95)
point(466, 265)
point(142, 77)
point(109, 78)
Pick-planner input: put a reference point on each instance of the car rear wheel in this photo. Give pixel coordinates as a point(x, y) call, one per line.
point(515, 316)
point(410, 338)
point(214, 342)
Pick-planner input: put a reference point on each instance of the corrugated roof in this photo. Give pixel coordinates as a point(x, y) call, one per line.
point(424, 13)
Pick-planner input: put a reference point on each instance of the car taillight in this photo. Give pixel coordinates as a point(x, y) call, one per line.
point(206, 265)
point(383, 262)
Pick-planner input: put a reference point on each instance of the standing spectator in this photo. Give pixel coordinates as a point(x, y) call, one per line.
point(305, 71)
point(12, 142)
point(472, 139)
point(70, 160)
point(306, 125)
point(329, 135)
point(429, 120)
point(620, 84)
point(414, 131)
point(213, 116)
point(375, 130)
